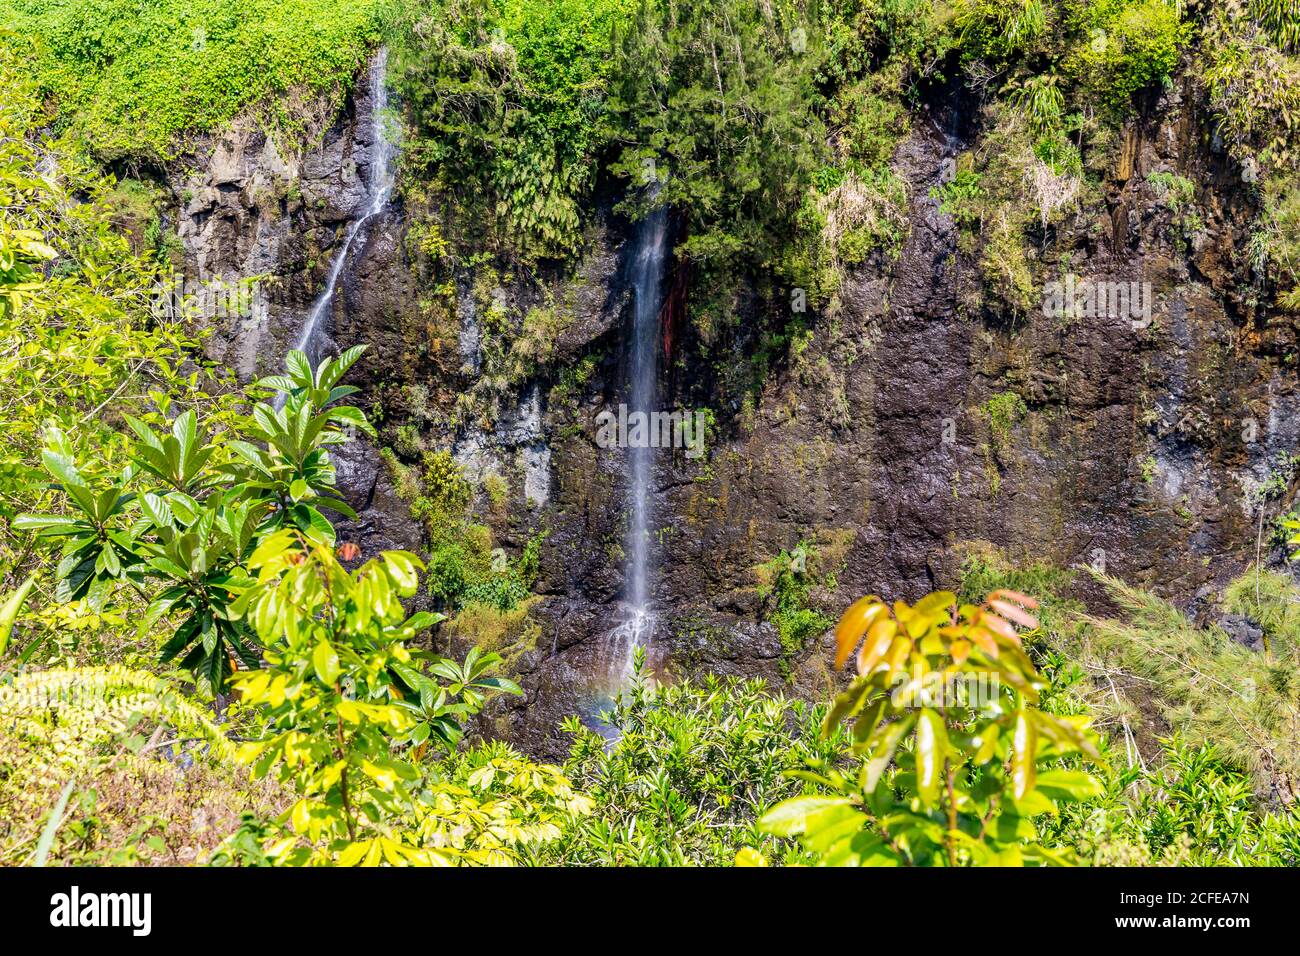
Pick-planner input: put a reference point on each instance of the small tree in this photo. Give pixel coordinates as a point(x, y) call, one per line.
point(337, 695)
point(330, 699)
point(177, 525)
point(950, 774)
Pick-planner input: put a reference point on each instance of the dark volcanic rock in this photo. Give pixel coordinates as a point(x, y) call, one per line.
point(1133, 451)
point(1242, 630)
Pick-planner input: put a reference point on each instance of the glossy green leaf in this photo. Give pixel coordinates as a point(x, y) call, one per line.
point(10, 609)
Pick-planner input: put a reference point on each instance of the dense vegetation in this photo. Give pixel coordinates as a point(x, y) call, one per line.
point(136, 81)
point(172, 576)
point(770, 131)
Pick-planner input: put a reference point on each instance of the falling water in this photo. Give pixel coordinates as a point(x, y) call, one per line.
point(379, 190)
point(637, 626)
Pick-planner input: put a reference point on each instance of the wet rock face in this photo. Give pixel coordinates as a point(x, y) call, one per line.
point(1243, 630)
point(1130, 447)
point(251, 209)
point(910, 427)
point(1130, 443)
point(248, 209)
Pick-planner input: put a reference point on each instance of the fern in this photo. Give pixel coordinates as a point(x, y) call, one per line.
point(1280, 20)
point(79, 709)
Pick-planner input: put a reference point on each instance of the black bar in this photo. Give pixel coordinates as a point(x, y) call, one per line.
point(495, 906)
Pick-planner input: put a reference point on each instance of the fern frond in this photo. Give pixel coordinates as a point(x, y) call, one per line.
point(86, 706)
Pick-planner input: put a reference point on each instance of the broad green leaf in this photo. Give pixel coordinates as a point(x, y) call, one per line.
point(794, 817)
point(326, 663)
point(9, 611)
point(62, 467)
point(52, 523)
point(402, 565)
point(1069, 784)
point(1024, 755)
point(156, 509)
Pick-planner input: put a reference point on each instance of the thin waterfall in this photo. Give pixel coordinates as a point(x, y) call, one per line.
point(379, 191)
point(637, 627)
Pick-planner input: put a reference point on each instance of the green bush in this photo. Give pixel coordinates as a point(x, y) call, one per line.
point(1135, 46)
point(503, 592)
point(134, 80)
point(1280, 19)
point(507, 99)
point(1190, 809)
point(784, 586)
point(691, 768)
point(184, 517)
point(1278, 233)
point(960, 197)
point(72, 283)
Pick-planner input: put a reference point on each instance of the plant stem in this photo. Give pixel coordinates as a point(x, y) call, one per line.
point(343, 783)
point(952, 819)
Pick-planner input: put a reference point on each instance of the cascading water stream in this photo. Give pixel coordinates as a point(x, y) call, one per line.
point(637, 627)
point(379, 191)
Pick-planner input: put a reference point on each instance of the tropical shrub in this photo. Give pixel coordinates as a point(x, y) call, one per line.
point(1280, 19)
point(72, 711)
point(188, 511)
point(1190, 809)
point(338, 691)
point(715, 115)
point(949, 770)
point(690, 768)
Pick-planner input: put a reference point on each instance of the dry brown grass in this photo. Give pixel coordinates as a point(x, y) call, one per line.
point(125, 809)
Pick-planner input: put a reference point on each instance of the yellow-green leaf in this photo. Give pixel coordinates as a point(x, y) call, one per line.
point(931, 751)
point(874, 648)
point(9, 611)
point(748, 856)
point(326, 663)
point(1024, 753)
point(853, 624)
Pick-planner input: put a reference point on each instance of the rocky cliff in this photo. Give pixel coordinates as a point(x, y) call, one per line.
point(919, 425)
